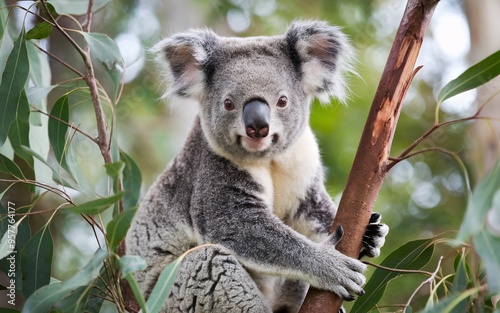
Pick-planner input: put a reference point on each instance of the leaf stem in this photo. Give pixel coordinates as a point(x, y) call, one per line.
point(397, 270)
point(427, 281)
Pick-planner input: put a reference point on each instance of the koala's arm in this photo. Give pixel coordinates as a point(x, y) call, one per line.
point(233, 215)
point(316, 213)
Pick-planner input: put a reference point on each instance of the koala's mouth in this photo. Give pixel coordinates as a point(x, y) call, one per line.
point(257, 144)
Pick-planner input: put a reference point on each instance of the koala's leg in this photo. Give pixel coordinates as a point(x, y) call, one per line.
point(210, 279)
point(374, 237)
point(290, 297)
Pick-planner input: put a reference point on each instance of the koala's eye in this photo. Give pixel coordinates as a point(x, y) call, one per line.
point(228, 105)
point(282, 102)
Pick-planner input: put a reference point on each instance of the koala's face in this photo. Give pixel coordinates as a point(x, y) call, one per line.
point(255, 93)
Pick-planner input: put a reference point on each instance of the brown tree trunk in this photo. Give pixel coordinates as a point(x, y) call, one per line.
point(370, 164)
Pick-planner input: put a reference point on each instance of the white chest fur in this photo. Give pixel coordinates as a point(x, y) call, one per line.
point(285, 179)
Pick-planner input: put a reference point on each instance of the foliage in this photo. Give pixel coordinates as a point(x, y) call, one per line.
point(38, 113)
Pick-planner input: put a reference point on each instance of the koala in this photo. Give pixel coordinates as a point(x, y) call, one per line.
point(247, 188)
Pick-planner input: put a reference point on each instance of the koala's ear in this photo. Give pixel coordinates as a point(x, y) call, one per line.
point(182, 58)
point(324, 55)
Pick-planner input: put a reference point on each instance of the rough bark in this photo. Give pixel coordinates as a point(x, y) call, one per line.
point(370, 164)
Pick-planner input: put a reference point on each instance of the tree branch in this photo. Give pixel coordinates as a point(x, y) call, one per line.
point(370, 164)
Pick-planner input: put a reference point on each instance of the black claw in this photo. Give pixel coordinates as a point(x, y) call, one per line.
point(337, 235)
point(375, 217)
point(349, 298)
point(361, 293)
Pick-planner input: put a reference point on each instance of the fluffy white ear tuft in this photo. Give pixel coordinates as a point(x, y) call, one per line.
point(182, 58)
point(325, 56)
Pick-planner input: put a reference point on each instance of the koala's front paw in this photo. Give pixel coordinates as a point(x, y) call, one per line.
point(343, 275)
point(374, 237)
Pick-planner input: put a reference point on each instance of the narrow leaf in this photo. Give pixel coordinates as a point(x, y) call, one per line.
point(106, 52)
point(412, 255)
point(19, 130)
point(75, 302)
point(163, 285)
point(7, 166)
point(132, 181)
point(42, 299)
point(475, 76)
point(8, 242)
point(36, 261)
point(130, 264)
point(451, 301)
point(40, 31)
point(58, 130)
point(76, 7)
point(97, 206)
point(488, 247)
point(137, 293)
point(14, 79)
point(479, 204)
point(117, 228)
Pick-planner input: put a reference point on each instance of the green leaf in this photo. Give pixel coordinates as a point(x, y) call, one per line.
point(97, 206)
point(475, 76)
point(132, 181)
point(130, 264)
point(42, 299)
point(75, 302)
point(115, 169)
point(37, 97)
point(117, 228)
point(36, 261)
point(163, 285)
point(479, 204)
point(488, 247)
point(76, 7)
point(137, 293)
point(58, 130)
point(106, 52)
point(40, 31)
point(14, 79)
point(9, 167)
point(451, 301)
point(412, 255)
point(6, 42)
point(97, 293)
point(68, 182)
point(8, 242)
point(40, 71)
point(460, 282)
point(19, 130)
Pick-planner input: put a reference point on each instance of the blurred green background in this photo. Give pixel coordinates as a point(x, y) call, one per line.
point(421, 197)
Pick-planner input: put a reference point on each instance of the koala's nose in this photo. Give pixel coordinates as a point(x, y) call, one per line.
point(256, 116)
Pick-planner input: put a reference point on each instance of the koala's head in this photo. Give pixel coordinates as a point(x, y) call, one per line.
point(255, 93)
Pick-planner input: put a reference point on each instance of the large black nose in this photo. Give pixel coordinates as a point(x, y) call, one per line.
point(256, 116)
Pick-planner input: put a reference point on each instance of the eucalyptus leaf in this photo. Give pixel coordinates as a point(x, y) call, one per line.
point(106, 52)
point(447, 304)
point(76, 7)
point(19, 129)
point(412, 255)
point(137, 293)
point(130, 264)
point(75, 302)
point(58, 129)
point(42, 299)
point(479, 204)
point(40, 31)
point(163, 285)
point(8, 241)
point(14, 79)
point(36, 261)
point(474, 76)
point(7, 166)
point(132, 181)
point(97, 206)
point(488, 247)
point(117, 228)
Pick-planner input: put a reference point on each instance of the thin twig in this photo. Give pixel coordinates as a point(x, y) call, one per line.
point(427, 281)
point(60, 61)
point(397, 270)
point(58, 192)
point(76, 128)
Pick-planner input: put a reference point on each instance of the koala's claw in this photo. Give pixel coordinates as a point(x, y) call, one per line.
point(374, 237)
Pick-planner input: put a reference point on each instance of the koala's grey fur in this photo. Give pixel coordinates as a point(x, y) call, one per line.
point(260, 202)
